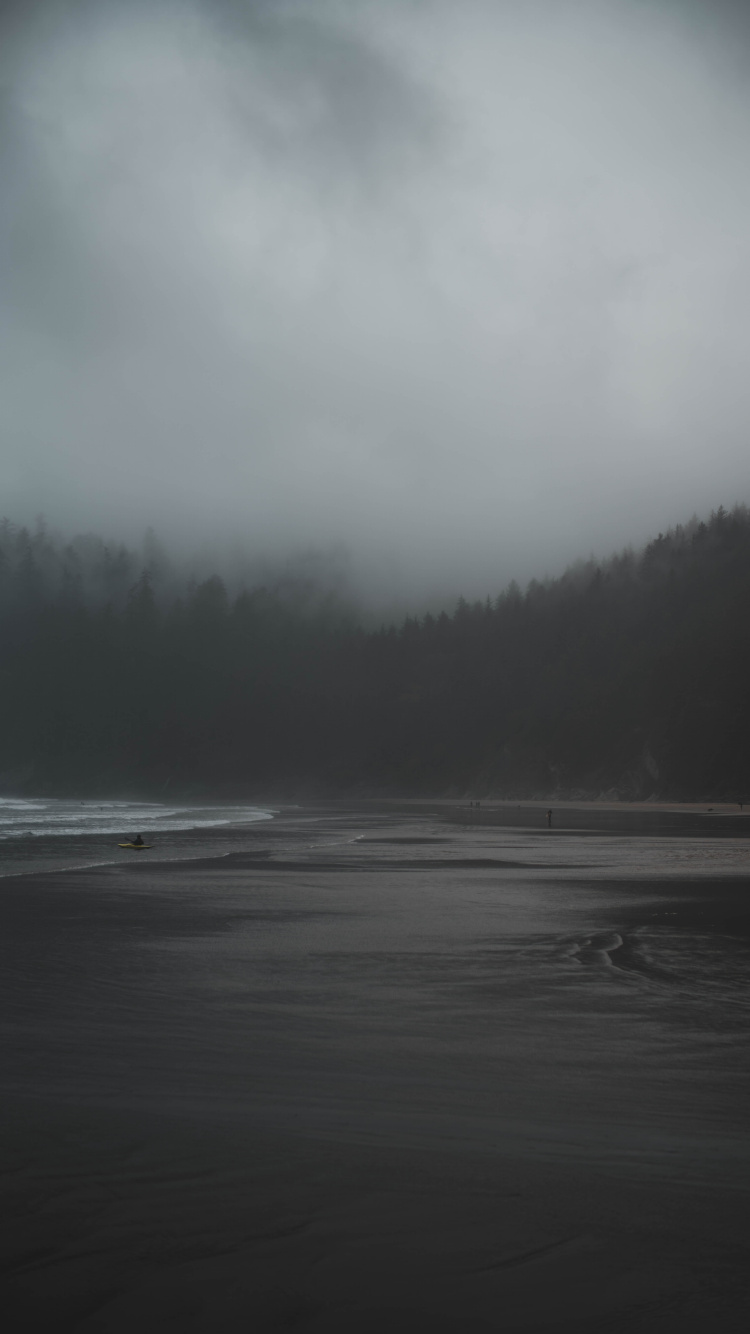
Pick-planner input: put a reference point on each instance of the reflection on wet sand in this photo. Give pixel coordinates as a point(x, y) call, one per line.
point(380, 1071)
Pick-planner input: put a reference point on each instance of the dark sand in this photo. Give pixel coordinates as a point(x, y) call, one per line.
point(382, 1070)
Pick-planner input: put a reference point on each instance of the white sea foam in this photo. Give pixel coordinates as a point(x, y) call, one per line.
point(35, 832)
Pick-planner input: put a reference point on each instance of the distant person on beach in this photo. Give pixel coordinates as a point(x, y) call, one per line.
point(137, 841)
point(549, 819)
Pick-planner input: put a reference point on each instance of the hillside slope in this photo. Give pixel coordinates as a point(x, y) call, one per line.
point(627, 676)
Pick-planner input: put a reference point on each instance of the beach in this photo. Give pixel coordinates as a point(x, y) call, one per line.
point(382, 1065)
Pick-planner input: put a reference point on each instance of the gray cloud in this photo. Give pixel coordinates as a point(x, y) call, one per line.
point(464, 287)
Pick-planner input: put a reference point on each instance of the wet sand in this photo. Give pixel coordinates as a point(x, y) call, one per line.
point(381, 1070)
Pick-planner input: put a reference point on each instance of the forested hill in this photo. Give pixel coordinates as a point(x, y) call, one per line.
point(628, 675)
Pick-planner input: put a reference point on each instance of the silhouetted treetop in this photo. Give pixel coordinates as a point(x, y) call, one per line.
point(121, 670)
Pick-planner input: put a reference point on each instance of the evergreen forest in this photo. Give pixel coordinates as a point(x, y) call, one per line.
point(626, 678)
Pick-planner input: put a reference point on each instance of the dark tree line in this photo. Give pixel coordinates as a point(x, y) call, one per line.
point(630, 674)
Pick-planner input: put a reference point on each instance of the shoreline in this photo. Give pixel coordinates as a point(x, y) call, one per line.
point(419, 1094)
point(569, 819)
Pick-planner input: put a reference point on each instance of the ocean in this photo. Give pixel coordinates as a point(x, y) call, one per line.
point(48, 834)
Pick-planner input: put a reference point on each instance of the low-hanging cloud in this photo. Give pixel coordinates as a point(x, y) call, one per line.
point(464, 287)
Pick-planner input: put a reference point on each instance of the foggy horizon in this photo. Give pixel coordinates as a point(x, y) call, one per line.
point(458, 290)
point(374, 592)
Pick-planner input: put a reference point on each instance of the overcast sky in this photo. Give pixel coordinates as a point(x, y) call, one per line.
point(462, 285)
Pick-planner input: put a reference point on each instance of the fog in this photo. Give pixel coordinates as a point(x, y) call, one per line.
point(461, 288)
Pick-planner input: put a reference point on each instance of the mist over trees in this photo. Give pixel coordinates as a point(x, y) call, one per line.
point(123, 673)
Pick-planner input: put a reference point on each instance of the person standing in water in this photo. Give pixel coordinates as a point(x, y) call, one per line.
point(549, 819)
